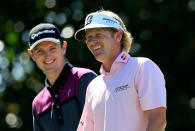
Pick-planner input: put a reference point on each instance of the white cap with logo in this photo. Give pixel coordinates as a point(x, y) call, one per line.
point(98, 20)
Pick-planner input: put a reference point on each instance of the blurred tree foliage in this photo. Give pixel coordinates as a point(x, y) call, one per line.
point(163, 30)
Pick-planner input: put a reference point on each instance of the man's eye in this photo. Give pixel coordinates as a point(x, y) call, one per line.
point(53, 49)
point(39, 52)
point(98, 36)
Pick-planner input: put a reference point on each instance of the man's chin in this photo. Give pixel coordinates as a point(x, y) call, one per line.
point(99, 58)
point(46, 71)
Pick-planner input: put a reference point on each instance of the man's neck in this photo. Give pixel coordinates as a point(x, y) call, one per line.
point(108, 64)
point(53, 76)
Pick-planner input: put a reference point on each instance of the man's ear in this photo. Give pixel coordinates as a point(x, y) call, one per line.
point(119, 35)
point(64, 46)
point(30, 53)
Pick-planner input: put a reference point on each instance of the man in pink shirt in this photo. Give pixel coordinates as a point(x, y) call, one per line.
point(130, 93)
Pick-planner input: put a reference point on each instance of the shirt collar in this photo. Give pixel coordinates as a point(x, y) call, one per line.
point(122, 58)
point(61, 79)
point(47, 84)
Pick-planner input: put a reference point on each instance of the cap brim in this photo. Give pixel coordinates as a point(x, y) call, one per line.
point(57, 41)
point(79, 35)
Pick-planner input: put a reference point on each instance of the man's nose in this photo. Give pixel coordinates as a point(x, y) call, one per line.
point(92, 41)
point(93, 38)
point(47, 53)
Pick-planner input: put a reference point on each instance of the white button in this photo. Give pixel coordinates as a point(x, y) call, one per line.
point(57, 106)
point(56, 95)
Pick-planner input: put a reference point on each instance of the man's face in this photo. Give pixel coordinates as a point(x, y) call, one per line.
point(49, 56)
point(103, 44)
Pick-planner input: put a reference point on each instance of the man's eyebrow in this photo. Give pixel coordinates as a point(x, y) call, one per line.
point(98, 33)
point(35, 49)
point(54, 45)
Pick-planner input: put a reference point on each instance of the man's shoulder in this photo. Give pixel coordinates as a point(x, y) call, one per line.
point(80, 71)
point(144, 62)
point(140, 60)
point(40, 94)
point(97, 80)
point(40, 99)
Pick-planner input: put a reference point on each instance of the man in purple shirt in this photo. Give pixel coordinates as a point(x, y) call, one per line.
point(59, 105)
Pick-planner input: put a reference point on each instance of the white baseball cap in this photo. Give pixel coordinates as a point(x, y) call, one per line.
point(98, 20)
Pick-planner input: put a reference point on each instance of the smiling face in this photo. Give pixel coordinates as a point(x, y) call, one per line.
point(103, 44)
point(49, 56)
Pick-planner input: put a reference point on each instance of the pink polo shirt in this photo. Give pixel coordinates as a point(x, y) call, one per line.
point(116, 100)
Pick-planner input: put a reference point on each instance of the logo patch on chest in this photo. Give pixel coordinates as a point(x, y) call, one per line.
point(68, 93)
point(121, 88)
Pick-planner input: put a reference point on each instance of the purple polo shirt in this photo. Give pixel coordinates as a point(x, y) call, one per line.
point(71, 100)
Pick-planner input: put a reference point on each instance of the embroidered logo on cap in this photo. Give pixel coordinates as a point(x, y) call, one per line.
point(89, 20)
point(109, 21)
point(123, 56)
point(42, 32)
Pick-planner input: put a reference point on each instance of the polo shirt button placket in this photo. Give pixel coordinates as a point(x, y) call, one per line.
point(57, 106)
point(59, 117)
point(56, 95)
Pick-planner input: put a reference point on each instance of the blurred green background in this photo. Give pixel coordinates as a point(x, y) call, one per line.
point(163, 31)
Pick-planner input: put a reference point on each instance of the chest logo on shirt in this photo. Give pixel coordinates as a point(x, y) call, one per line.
point(68, 93)
point(123, 56)
point(121, 88)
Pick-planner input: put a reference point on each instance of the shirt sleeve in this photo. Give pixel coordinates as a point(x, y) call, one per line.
point(86, 122)
point(150, 85)
point(36, 123)
point(83, 84)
